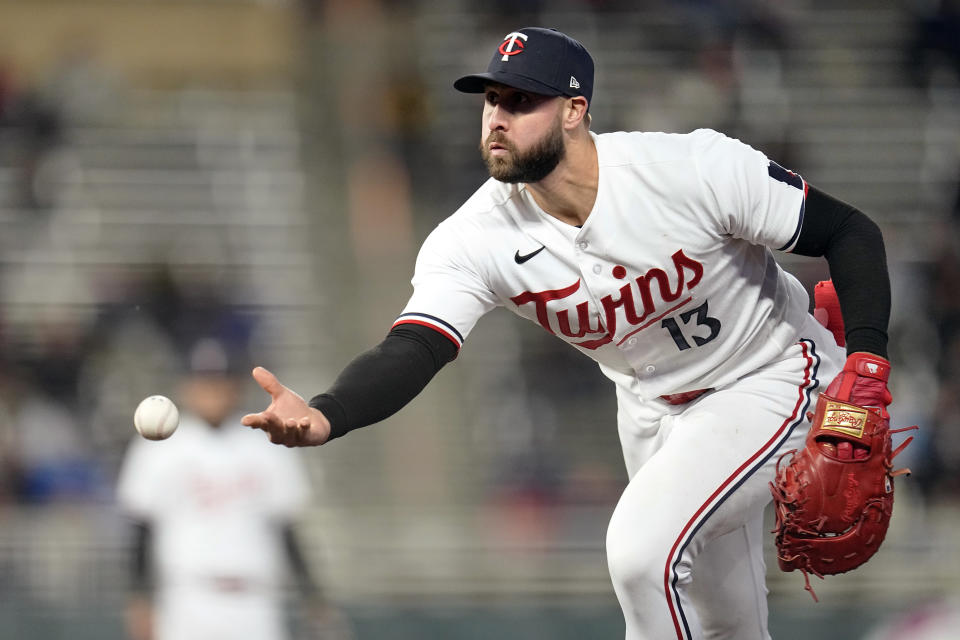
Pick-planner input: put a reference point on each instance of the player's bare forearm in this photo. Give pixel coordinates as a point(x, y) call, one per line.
point(288, 420)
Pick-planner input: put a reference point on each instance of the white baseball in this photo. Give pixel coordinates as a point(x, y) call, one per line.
point(156, 418)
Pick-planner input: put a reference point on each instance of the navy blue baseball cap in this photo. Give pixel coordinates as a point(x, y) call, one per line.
point(543, 61)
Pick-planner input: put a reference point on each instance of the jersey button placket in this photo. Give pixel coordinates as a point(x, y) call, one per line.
point(590, 283)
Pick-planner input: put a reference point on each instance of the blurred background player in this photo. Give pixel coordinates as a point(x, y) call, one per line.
point(213, 512)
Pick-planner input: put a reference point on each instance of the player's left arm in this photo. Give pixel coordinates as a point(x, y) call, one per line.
point(758, 200)
point(820, 528)
point(853, 247)
point(321, 617)
point(299, 567)
point(139, 609)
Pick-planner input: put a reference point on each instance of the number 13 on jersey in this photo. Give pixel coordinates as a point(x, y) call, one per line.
point(692, 321)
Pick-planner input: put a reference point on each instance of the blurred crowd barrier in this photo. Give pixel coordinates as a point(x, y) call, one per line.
point(264, 171)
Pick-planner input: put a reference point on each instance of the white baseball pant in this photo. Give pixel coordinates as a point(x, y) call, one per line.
point(685, 542)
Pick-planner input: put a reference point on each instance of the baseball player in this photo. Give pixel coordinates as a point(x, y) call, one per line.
point(213, 513)
point(653, 254)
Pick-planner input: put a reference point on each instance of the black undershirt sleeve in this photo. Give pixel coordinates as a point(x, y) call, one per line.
point(853, 246)
point(141, 574)
point(298, 562)
point(381, 381)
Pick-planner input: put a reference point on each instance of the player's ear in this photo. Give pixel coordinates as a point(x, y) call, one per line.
point(575, 110)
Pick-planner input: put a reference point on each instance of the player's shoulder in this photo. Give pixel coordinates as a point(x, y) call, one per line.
point(646, 147)
point(491, 200)
point(490, 207)
point(707, 141)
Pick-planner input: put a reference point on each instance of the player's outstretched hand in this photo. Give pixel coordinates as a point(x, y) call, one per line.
point(289, 420)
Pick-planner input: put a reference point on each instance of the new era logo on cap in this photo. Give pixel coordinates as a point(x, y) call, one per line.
point(552, 64)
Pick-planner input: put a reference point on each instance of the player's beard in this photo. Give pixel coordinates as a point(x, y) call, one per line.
point(530, 166)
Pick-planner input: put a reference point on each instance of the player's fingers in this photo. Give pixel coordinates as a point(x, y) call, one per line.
point(303, 429)
point(268, 381)
point(281, 433)
point(252, 420)
point(822, 316)
point(293, 433)
point(264, 420)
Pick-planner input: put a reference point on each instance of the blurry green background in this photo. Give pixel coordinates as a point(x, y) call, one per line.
point(270, 167)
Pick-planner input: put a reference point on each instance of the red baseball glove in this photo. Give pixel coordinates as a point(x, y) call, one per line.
point(834, 498)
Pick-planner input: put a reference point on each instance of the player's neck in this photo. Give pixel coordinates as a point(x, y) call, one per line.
point(569, 192)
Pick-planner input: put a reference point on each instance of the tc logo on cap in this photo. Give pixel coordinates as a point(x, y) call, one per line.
point(511, 46)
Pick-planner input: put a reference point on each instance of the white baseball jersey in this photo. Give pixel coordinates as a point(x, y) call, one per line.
point(669, 285)
point(215, 499)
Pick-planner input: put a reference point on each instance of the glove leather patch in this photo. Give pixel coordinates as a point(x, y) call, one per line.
point(844, 418)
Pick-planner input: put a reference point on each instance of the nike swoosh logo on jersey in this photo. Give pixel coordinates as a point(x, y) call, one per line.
point(520, 259)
